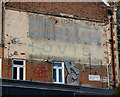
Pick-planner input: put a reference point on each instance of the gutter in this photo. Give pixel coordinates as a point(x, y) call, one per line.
point(26, 84)
point(112, 50)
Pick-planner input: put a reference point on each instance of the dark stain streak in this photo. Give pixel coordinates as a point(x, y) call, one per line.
point(56, 21)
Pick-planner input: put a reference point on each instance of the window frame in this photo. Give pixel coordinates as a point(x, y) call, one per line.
point(57, 73)
point(18, 69)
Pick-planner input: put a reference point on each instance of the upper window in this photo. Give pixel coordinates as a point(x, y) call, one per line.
point(18, 68)
point(58, 72)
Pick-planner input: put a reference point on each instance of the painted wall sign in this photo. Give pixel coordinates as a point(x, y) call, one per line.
point(94, 77)
point(72, 73)
point(48, 36)
point(67, 38)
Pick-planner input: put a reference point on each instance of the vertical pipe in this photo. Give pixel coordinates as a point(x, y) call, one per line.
point(112, 51)
point(108, 71)
point(90, 62)
point(102, 74)
point(2, 26)
point(8, 58)
point(2, 31)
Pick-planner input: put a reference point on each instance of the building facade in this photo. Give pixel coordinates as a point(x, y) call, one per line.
point(62, 43)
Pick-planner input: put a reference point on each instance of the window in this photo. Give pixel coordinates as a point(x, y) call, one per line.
point(0, 67)
point(58, 72)
point(18, 71)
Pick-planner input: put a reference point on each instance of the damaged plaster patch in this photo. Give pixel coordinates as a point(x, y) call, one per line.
point(67, 15)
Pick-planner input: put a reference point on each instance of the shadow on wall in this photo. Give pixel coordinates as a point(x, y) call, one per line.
point(117, 92)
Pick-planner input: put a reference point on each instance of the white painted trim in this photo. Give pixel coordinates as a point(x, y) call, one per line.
point(18, 69)
point(63, 73)
point(57, 73)
point(24, 71)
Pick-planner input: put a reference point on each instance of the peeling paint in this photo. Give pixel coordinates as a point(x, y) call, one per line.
point(64, 39)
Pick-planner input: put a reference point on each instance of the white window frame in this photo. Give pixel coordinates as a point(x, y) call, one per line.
point(0, 67)
point(18, 69)
point(57, 73)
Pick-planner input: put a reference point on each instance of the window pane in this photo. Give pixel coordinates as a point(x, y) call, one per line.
point(60, 75)
point(21, 73)
point(14, 72)
point(54, 75)
point(17, 62)
point(57, 64)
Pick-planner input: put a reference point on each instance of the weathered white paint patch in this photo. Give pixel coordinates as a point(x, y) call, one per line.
point(54, 37)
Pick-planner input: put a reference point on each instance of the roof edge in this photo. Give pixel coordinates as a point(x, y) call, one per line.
point(58, 15)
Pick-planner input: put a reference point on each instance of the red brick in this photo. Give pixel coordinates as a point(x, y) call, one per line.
point(90, 10)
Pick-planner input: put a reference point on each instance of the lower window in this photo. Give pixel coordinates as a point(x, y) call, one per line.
point(58, 72)
point(18, 69)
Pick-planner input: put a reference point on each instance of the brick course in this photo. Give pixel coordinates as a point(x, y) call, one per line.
point(42, 71)
point(39, 71)
point(85, 10)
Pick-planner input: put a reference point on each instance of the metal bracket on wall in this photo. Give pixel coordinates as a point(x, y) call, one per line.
point(1, 45)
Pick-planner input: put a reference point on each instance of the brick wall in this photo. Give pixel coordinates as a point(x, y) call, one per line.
point(35, 71)
point(42, 71)
point(0, 51)
point(39, 71)
point(95, 70)
point(7, 70)
point(84, 10)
